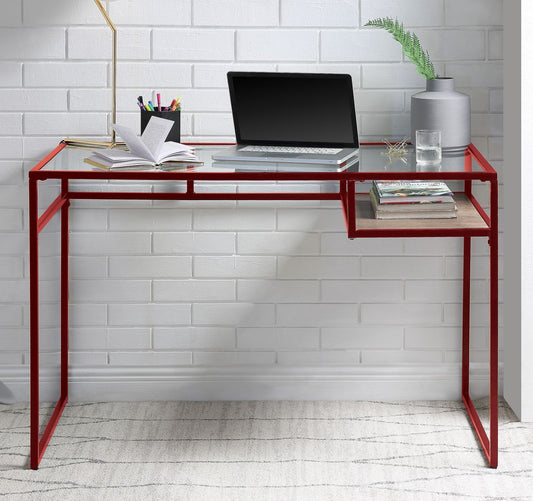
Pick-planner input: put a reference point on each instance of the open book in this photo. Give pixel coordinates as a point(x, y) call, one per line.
point(148, 150)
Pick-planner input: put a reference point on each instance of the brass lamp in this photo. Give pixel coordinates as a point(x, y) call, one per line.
point(112, 143)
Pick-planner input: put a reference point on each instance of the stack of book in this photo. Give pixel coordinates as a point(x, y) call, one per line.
point(412, 199)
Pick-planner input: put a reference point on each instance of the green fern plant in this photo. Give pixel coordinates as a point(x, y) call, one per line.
point(410, 44)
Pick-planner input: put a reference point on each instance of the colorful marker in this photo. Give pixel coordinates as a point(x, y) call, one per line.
point(158, 102)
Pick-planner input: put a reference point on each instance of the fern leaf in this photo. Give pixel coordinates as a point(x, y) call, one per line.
point(410, 44)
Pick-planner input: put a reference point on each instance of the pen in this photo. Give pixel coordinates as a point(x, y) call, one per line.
point(140, 99)
point(158, 102)
point(140, 105)
point(151, 106)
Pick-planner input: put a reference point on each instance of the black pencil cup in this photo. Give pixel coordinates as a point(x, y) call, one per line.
point(174, 134)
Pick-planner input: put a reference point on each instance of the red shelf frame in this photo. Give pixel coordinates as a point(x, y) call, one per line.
point(347, 197)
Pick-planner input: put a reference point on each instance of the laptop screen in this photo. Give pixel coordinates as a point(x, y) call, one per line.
point(295, 109)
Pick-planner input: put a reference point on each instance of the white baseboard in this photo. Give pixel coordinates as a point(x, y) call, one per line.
point(250, 383)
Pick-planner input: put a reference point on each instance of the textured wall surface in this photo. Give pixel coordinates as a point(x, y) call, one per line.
point(225, 299)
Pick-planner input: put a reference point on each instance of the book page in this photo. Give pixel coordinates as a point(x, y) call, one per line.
point(133, 142)
point(154, 135)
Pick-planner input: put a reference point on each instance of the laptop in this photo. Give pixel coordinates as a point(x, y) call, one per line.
point(292, 117)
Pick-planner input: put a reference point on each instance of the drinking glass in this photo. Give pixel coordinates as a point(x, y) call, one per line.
point(428, 147)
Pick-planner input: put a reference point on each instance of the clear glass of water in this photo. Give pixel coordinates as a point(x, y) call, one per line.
point(428, 147)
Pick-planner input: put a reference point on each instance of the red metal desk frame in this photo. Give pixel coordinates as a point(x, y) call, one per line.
point(346, 195)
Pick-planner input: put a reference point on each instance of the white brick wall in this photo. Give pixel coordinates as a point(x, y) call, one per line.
point(249, 285)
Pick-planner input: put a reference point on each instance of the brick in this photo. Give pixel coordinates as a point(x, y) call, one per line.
point(320, 14)
point(316, 315)
point(379, 76)
point(92, 358)
point(11, 75)
point(83, 220)
point(194, 338)
point(11, 172)
point(377, 357)
point(10, 147)
point(400, 313)
point(95, 43)
point(495, 44)
point(11, 13)
point(150, 12)
point(235, 266)
point(339, 244)
point(479, 267)
point(65, 123)
point(14, 339)
point(362, 337)
point(385, 125)
point(234, 219)
point(150, 266)
point(193, 44)
point(400, 267)
point(488, 74)
point(149, 220)
point(236, 13)
point(234, 358)
point(14, 243)
point(262, 338)
point(11, 267)
point(443, 290)
point(412, 13)
point(496, 106)
point(109, 290)
point(194, 290)
point(473, 12)
point(90, 100)
point(10, 219)
point(440, 338)
point(286, 243)
point(27, 43)
point(36, 148)
point(11, 358)
point(10, 315)
point(376, 101)
point(344, 357)
point(241, 314)
point(150, 358)
point(310, 220)
point(277, 45)
point(496, 148)
point(13, 196)
point(355, 291)
point(39, 13)
point(130, 338)
point(110, 243)
point(318, 267)
point(84, 315)
point(194, 243)
point(153, 74)
point(433, 246)
point(87, 267)
point(87, 338)
point(358, 46)
point(487, 124)
point(67, 74)
point(214, 75)
point(139, 315)
point(279, 291)
point(213, 124)
point(453, 45)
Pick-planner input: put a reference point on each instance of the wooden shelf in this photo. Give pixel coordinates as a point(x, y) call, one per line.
point(467, 217)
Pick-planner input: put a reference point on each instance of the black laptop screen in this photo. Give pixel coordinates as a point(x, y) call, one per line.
point(307, 109)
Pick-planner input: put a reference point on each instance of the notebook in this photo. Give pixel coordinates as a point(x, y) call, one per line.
point(292, 117)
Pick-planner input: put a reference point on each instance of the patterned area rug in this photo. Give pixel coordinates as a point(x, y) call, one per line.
point(265, 451)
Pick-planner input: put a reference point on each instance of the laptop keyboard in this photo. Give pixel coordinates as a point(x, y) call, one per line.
point(291, 149)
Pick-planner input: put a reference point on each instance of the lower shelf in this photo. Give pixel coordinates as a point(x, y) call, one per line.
point(467, 217)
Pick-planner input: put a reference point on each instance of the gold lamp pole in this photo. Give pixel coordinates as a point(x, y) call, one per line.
point(81, 142)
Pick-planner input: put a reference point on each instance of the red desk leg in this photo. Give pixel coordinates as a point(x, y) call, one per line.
point(38, 446)
point(489, 443)
point(34, 325)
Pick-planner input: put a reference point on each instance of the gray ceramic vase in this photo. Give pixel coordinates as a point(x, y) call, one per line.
point(441, 107)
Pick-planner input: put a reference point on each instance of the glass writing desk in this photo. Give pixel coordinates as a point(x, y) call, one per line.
point(66, 165)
